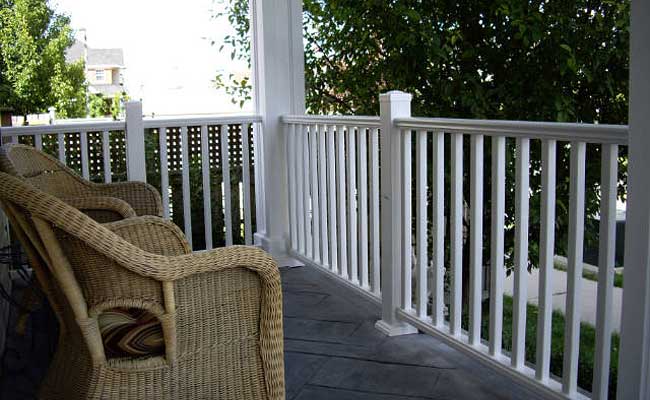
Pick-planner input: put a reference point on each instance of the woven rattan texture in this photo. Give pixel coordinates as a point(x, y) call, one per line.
point(221, 311)
point(50, 175)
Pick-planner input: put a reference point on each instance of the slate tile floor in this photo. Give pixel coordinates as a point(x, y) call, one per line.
point(332, 351)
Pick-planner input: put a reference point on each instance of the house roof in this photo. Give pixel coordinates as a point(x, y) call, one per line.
point(75, 52)
point(95, 57)
point(113, 57)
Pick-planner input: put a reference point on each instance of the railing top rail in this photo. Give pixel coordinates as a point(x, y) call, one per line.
point(166, 122)
point(74, 127)
point(358, 121)
point(590, 133)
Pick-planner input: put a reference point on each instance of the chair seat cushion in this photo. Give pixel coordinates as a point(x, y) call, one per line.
point(131, 332)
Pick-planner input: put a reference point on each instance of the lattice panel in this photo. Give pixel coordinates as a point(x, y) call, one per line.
point(73, 151)
point(26, 140)
point(95, 157)
point(118, 155)
point(214, 148)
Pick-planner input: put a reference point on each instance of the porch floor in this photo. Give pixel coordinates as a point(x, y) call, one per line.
point(332, 351)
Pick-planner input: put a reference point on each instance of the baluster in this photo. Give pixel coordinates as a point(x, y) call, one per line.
point(374, 210)
point(187, 213)
point(301, 190)
point(331, 184)
point(522, 189)
point(85, 162)
point(496, 249)
point(421, 225)
point(407, 230)
point(606, 260)
point(362, 158)
point(546, 253)
point(106, 157)
point(574, 268)
point(353, 237)
point(342, 205)
point(315, 201)
point(438, 198)
point(306, 187)
point(246, 183)
point(227, 197)
point(205, 177)
point(476, 239)
point(456, 233)
point(322, 186)
point(61, 142)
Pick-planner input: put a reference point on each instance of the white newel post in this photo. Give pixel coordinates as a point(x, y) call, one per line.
point(278, 89)
point(135, 161)
point(393, 105)
point(634, 362)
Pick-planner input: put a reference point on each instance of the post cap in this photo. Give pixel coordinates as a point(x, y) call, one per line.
point(395, 95)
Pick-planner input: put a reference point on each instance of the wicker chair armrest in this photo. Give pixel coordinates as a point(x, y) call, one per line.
point(143, 198)
point(152, 234)
point(88, 204)
point(178, 267)
point(222, 261)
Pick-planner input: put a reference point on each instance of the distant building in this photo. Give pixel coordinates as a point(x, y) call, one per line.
point(104, 67)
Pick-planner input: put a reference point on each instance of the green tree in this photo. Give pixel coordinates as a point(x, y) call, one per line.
point(506, 59)
point(117, 104)
point(34, 74)
point(98, 106)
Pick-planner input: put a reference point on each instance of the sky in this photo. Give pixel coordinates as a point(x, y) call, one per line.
point(169, 60)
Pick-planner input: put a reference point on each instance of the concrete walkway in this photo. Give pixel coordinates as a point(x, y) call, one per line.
point(588, 296)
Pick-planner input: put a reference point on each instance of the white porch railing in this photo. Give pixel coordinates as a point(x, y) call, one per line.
point(579, 135)
point(222, 150)
point(357, 193)
point(334, 168)
point(334, 196)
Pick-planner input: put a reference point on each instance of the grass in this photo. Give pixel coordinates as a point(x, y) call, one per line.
point(587, 343)
point(593, 276)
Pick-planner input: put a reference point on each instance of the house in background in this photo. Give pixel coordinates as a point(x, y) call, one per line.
point(104, 67)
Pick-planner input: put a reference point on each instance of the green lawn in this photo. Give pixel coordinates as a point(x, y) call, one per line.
point(593, 276)
point(587, 343)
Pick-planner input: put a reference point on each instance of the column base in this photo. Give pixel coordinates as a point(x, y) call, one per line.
point(397, 329)
point(276, 247)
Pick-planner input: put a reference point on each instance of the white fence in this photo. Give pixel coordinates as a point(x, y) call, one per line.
point(335, 223)
point(222, 150)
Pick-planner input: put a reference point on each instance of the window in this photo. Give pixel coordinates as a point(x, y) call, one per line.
point(99, 75)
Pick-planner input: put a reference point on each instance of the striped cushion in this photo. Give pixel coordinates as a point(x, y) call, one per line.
point(131, 332)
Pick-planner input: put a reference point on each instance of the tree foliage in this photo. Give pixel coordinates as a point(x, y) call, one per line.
point(535, 60)
point(34, 74)
point(238, 43)
point(98, 106)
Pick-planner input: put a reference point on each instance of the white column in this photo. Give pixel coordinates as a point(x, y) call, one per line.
point(278, 89)
point(634, 363)
point(135, 163)
point(393, 105)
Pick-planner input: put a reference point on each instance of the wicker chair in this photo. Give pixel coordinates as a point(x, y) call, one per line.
point(220, 311)
point(103, 202)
